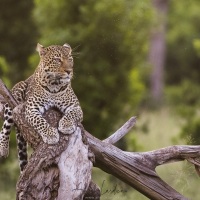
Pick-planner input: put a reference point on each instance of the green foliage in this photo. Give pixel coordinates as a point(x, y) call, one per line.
point(183, 61)
point(137, 87)
point(4, 70)
point(110, 73)
point(112, 39)
point(163, 127)
point(183, 31)
point(9, 172)
point(196, 44)
point(17, 35)
point(191, 131)
point(17, 38)
point(185, 100)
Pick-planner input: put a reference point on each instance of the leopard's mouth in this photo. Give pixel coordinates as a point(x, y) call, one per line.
point(57, 78)
point(60, 80)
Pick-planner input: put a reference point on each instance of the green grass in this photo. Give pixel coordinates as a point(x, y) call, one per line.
point(163, 129)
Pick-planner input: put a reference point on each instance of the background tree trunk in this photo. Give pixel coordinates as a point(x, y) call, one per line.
point(157, 50)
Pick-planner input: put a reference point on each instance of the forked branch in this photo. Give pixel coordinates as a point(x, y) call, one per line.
point(138, 169)
point(134, 168)
point(121, 132)
point(60, 171)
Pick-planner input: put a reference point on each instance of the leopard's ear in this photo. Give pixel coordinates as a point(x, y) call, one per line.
point(67, 45)
point(40, 49)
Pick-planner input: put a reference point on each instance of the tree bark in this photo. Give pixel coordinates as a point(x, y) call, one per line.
point(138, 169)
point(134, 168)
point(61, 171)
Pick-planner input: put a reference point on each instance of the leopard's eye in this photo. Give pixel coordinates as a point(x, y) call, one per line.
point(70, 59)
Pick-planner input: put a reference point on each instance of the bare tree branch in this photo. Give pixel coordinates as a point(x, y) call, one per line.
point(121, 132)
point(173, 154)
point(135, 169)
point(1, 107)
point(51, 167)
point(138, 169)
point(7, 97)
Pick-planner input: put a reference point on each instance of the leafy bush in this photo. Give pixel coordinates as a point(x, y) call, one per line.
point(4, 71)
point(185, 99)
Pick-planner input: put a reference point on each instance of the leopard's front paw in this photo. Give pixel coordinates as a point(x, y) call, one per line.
point(51, 136)
point(66, 128)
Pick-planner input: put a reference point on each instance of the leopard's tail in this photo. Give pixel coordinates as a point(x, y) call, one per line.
point(5, 137)
point(5, 132)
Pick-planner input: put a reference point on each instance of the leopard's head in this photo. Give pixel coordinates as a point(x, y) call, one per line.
point(55, 70)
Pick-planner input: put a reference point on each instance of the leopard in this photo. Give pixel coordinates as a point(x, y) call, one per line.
point(51, 88)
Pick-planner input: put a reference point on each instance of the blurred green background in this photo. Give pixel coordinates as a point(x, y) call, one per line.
point(133, 57)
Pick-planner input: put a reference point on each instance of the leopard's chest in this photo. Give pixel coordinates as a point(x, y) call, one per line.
point(60, 100)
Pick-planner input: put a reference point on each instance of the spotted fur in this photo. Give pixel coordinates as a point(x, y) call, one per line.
point(5, 137)
point(5, 132)
point(18, 92)
point(51, 88)
point(22, 150)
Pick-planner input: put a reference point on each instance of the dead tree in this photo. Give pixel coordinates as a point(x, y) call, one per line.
point(63, 171)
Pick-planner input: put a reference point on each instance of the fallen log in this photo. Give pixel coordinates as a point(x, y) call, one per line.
point(134, 168)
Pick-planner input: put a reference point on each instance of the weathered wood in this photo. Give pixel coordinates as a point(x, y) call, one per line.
point(76, 177)
point(93, 192)
point(121, 132)
point(71, 155)
point(60, 171)
point(136, 169)
point(7, 97)
point(1, 108)
point(132, 168)
point(41, 178)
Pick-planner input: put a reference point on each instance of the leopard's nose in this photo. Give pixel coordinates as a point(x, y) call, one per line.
point(68, 71)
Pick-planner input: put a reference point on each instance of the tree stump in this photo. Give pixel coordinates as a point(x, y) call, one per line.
point(63, 171)
point(60, 171)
